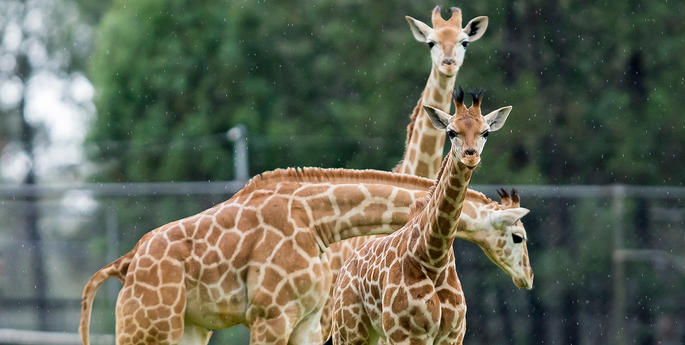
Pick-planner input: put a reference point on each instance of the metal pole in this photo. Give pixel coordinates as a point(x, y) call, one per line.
point(112, 229)
point(619, 310)
point(238, 136)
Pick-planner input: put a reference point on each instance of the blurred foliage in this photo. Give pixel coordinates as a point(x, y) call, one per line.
point(331, 83)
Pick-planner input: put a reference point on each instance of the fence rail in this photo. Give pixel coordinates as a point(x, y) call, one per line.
point(230, 187)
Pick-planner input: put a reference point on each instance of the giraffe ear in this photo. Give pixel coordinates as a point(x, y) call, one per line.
point(497, 118)
point(509, 216)
point(439, 118)
point(476, 28)
point(419, 29)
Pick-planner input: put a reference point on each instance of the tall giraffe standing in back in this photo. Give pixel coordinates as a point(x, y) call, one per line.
point(253, 260)
point(403, 288)
point(447, 41)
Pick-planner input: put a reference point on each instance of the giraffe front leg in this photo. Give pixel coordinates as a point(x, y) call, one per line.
point(195, 335)
point(308, 330)
point(272, 331)
point(350, 322)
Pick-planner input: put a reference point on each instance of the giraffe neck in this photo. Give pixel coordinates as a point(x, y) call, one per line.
point(439, 219)
point(337, 204)
point(475, 211)
point(424, 145)
point(360, 209)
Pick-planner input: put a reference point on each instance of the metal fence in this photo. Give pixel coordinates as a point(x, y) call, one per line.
point(609, 261)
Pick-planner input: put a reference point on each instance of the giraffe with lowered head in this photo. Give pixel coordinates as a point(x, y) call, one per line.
point(403, 288)
point(254, 259)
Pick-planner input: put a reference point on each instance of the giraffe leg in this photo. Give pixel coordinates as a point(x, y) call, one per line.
point(350, 322)
point(308, 330)
point(195, 335)
point(148, 316)
point(272, 331)
point(326, 319)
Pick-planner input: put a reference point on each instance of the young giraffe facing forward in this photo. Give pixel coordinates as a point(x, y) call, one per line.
point(447, 41)
point(403, 288)
point(253, 260)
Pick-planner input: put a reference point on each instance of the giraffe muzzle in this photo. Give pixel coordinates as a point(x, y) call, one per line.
point(524, 282)
point(470, 158)
point(449, 61)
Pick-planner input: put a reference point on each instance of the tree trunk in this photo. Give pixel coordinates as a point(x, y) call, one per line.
point(31, 213)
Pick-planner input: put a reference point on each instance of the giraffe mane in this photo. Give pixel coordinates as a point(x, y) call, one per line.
point(410, 127)
point(317, 175)
point(421, 203)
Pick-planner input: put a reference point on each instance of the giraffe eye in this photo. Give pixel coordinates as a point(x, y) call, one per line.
point(465, 43)
point(485, 134)
point(452, 134)
point(431, 44)
point(516, 238)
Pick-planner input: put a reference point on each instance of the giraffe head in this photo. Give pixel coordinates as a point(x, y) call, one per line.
point(468, 128)
point(447, 40)
point(502, 237)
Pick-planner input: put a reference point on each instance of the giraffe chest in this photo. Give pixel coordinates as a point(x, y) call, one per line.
point(423, 306)
point(402, 301)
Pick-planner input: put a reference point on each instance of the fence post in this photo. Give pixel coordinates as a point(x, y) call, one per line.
point(618, 193)
point(238, 136)
point(112, 234)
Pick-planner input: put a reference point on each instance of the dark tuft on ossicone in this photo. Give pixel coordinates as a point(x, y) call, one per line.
point(477, 96)
point(515, 196)
point(458, 95)
point(502, 193)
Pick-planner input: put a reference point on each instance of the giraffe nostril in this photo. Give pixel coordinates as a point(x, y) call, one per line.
point(470, 152)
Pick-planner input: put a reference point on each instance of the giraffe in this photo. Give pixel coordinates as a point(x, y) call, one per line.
point(447, 42)
point(403, 288)
point(493, 226)
point(254, 259)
